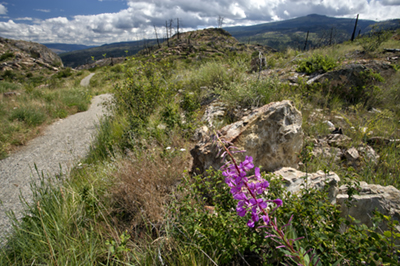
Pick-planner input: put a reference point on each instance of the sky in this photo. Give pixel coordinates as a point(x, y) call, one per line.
point(97, 22)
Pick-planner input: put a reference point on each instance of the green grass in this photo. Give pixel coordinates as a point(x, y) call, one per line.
point(24, 115)
point(28, 114)
point(131, 201)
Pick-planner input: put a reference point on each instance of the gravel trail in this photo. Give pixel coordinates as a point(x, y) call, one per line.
point(85, 82)
point(62, 143)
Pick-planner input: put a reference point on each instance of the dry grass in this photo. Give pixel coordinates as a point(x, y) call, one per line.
point(144, 183)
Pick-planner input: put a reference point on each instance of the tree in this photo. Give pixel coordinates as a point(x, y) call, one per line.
point(166, 30)
point(177, 26)
point(155, 30)
point(220, 21)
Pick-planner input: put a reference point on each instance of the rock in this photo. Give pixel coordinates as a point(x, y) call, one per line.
point(11, 93)
point(216, 110)
point(201, 134)
point(369, 154)
point(338, 140)
point(351, 75)
point(36, 50)
point(352, 155)
point(271, 134)
point(329, 124)
point(386, 200)
point(295, 181)
point(325, 151)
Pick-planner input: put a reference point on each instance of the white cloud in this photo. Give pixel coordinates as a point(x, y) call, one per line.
point(137, 20)
point(43, 10)
point(25, 18)
point(3, 10)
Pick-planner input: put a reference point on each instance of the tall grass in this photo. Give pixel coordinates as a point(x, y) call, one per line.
point(55, 229)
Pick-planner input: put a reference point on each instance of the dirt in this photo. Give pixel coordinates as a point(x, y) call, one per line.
point(62, 145)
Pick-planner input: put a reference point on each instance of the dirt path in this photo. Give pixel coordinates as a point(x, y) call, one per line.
point(63, 143)
point(85, 82)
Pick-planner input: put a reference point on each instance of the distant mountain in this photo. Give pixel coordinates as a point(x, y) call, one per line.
point(64, 47)
point(279, 35)
point(322, 30)
point(81, 57)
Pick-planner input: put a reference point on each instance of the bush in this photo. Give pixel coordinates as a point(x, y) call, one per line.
point(65, 73)
point(31, 116)
point(6, 56)
point(316, 63)
point(374, 40)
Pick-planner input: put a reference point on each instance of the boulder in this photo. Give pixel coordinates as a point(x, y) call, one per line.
point(386, 200)
point(271, 134)
point(295, 181)
point(369, 154)
point(352, 155)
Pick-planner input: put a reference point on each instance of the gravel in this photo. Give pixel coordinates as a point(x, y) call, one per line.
point(62, 144)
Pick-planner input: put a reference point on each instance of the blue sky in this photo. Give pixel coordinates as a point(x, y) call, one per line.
point(96, 22)
point(45, 9)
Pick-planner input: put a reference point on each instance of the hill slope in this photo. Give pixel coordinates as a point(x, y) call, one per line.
point(323, 30)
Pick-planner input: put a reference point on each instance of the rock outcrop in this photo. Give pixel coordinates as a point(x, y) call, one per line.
point(21, 55)
point(295, 180)
point(371, 197)
point(271, 134)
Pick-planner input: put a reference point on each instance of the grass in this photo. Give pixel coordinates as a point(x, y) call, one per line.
point(25, 114)
point(131, 201)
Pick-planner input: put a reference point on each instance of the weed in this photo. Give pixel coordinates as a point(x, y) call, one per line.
point(30, 115)
point(316, 63)
point(374, 40)
point(6, 55)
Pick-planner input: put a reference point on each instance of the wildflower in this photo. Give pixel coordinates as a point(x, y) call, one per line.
point(245, 191)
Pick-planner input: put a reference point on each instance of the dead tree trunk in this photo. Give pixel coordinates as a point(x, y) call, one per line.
point(177, 27)
point(354, 31)
point(155, 31)
point(166, 30)
point(305, 44)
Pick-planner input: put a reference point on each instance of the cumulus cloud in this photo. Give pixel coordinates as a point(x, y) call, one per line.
point(3, 10)
point(137, 20)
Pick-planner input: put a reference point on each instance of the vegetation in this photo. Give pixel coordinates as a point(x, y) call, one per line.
point(38, 101)
point(133, 202)
point(317, 63)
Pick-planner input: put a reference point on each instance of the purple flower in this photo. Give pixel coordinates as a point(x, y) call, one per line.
point(278, 202)
point(237, 180)
point(241, 211)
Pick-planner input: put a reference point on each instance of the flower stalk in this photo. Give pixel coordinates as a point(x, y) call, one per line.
point(245, 190)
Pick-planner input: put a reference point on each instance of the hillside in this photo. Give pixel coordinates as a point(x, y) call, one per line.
point(292, 33)
point(87, 56)
point(64, 48)
point(212, 155)
point(23, 61)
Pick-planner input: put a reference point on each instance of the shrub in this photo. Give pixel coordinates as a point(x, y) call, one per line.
point(374, 40)
point(316, 63)
point(6, 56)
point(65, 73)
point(31, 116)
